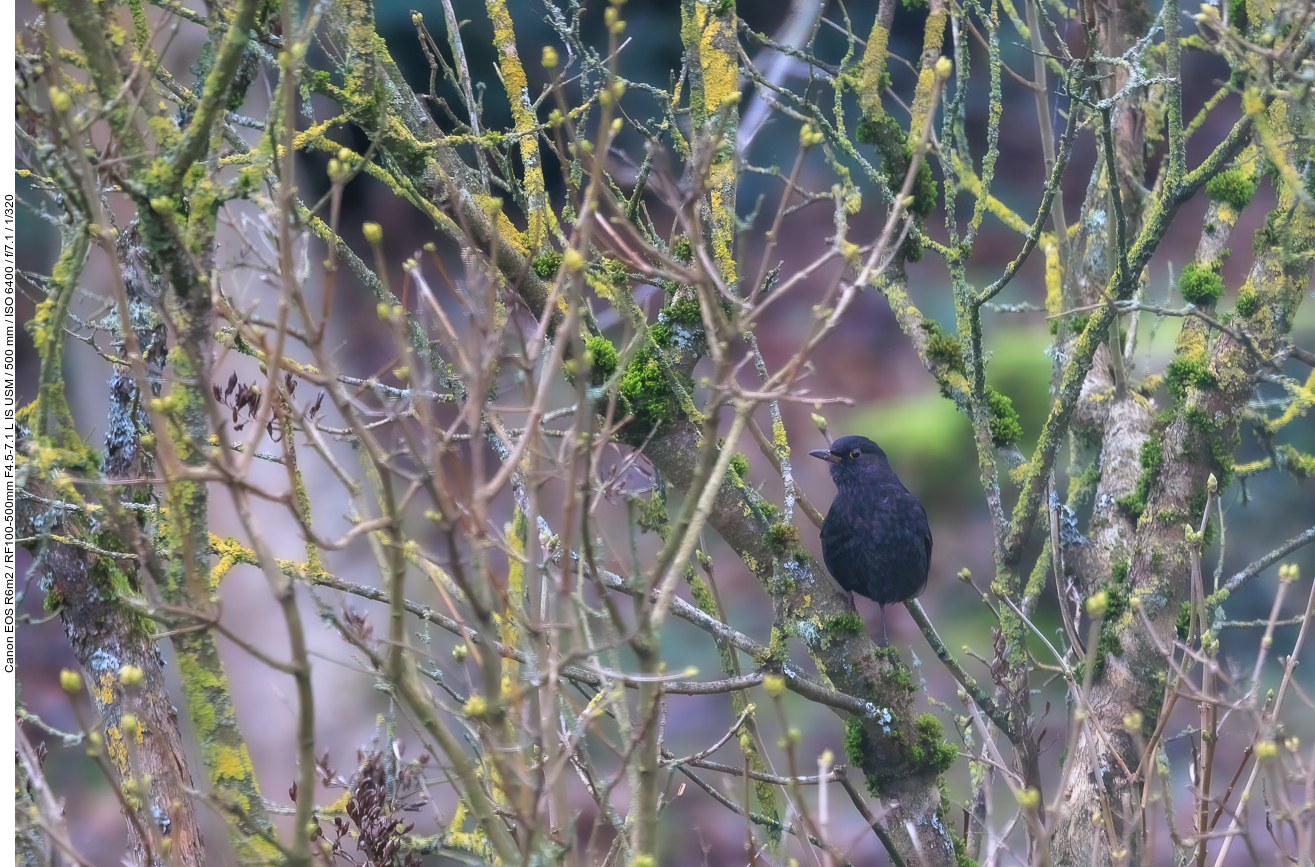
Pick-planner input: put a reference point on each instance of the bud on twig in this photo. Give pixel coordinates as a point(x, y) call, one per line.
point(59, 99)
point(70, 681)
point(1028, 798)
point(476, 706)
point(821, 425)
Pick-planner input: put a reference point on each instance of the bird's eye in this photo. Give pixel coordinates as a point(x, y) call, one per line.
point(854, 453)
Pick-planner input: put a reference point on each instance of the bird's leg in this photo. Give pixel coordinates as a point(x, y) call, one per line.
point(882, 609)
point(849, 600)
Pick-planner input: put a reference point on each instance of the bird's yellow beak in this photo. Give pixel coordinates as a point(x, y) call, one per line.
point(824, 455)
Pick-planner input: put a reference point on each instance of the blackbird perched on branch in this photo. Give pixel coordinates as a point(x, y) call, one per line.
point(875, 539)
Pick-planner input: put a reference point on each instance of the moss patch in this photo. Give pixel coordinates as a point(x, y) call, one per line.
point(1248, 302)
point(854, 742)
point(930, 751)
point(601, 355)
point(781, 537)
point(660, 332)
point(944, 349)
point(1237, 19)
point(740, 465)
point(546, 266)
point(1005, 425)
point(1116, 596)
point(681, 250)
point(895, 678)
point(1151, 458)
point(1201, 284)
point(1221, 448)
point(848, 623)
point(884, 133)
point(1077, 323)
point(1183, 622)
point(684, 310)
point(649, 398)
point(961, 858)
point(615, 273)
point(1188, 370)
point(653, 516)
point(1231, 187)
point(1267, 236)
point(778, 647)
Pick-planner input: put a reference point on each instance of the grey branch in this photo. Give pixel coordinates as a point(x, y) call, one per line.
point(1270, 559)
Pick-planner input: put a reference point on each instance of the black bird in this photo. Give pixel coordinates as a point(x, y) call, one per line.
point(875, 539)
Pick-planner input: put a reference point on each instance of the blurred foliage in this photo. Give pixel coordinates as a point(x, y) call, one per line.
point(931, 443)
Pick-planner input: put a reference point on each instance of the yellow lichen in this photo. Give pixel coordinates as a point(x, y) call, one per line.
point(103, 689)
point(872, 68)
point(232, 763)
point(712, 40)
point(1302, 399)
point(998, 209)
point(933, 38)
point(1054, 280)
point(522, 114)
point(117, 749)
point(1018, 474)
point(508, 232)
point(718, 65)
point(508, 633)
point(779, 440)
point(1252, 467)
point(723, 235)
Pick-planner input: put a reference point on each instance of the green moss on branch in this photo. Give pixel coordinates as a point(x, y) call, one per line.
point(1188, 372)
point(650, 400)
point(1005, 425)
point(1201, 283)
point(1232, 187)
point(1151, 457)
point(601, 357)
point(884, 133)
point(944, 349)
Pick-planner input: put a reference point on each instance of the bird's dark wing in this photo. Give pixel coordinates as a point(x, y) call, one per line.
point(925, 533)
point(851, 547)
point(927, 536)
